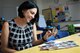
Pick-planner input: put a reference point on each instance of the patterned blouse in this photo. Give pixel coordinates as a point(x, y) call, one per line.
point(20, 38)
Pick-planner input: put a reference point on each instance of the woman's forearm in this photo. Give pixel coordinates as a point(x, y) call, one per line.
point(38, 42)
point(8, 50)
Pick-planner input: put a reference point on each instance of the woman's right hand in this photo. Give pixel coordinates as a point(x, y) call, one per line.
point(54, 31)
point(47, 34)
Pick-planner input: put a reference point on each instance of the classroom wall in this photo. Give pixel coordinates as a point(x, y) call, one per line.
point(73, 8)
point(43, 4)
point(75, 11)
point(8, 8)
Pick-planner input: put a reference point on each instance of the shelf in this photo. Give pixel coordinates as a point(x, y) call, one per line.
point(68, 21)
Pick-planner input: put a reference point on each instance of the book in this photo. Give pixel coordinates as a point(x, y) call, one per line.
point(51, 45)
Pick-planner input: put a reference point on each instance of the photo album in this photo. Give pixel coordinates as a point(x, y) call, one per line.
point(51, 45)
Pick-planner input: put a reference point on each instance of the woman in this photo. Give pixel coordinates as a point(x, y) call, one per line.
point(20, 32)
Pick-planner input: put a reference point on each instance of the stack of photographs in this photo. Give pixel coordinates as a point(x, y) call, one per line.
point(57, 45)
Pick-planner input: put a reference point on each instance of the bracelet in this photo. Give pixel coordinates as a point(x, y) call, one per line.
point(43, 39)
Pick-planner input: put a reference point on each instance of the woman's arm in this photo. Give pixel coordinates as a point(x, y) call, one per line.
point(36, 41)
point(34, 32)
point(4, 39)
point(44, 38)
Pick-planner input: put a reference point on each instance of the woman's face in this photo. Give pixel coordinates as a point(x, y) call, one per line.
point(29, 14)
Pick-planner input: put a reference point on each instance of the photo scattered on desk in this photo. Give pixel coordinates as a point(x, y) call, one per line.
point(55, 46)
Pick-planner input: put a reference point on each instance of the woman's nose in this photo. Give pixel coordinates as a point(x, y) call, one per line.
point(32, 16)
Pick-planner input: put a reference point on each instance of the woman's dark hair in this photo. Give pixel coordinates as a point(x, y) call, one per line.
point(28, 5)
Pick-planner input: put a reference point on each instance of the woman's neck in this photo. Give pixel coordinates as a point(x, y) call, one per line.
point(21, 21)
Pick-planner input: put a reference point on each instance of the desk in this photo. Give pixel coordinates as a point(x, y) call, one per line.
point(77, 27)
point(39, 31)
point(74, 38)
